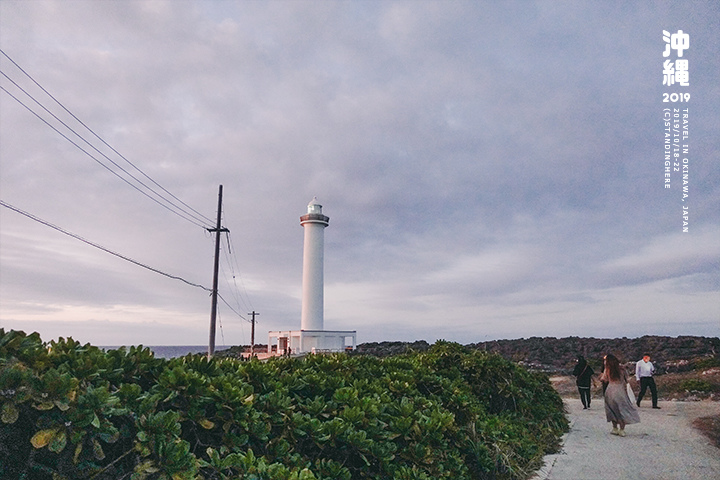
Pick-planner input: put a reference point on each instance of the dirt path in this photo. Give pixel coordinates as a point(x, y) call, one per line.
point(663, 446)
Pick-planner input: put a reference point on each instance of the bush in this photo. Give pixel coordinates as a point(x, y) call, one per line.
point(707, 362)
point(696, 385)
point(76, 412)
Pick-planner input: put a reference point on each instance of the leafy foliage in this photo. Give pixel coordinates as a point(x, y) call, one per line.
point(696, 385)
point(75, 411)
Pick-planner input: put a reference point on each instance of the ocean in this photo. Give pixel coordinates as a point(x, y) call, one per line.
point(172, 351)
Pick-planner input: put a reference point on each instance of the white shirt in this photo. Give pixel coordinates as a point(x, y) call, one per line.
point(644, 369)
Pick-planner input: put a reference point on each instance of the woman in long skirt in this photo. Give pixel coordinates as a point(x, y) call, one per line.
point(618, 408)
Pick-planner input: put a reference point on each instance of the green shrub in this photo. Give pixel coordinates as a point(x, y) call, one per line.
point(76, 412)
point(707, 362)
point(696, 385)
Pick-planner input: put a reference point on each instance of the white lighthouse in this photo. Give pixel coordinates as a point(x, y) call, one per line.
point(312, 336)
point(314, 223)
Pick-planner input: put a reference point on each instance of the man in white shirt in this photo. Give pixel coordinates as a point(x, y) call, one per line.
point(644, 370)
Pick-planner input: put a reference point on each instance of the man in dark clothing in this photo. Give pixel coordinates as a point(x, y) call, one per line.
point(583, 372)
point(644, 370)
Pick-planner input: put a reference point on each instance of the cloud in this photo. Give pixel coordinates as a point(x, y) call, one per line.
point(489, 169)
point(667, 256)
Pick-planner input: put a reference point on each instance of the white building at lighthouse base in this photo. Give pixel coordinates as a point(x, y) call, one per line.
point(311, 341)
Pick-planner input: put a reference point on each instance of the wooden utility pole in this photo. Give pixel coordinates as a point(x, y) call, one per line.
point(213, 312)
point(252, 333)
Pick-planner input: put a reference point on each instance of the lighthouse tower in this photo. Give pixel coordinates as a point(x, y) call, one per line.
point(312, 336)
point(314, 223)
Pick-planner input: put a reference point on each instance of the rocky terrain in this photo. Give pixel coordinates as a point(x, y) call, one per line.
point(669, 354)
point(558, 355)
point(688, 367)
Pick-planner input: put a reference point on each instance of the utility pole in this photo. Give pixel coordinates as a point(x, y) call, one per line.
point(252, 333)
point(213, 313)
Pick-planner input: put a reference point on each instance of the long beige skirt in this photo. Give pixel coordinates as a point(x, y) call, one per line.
point(618, 407)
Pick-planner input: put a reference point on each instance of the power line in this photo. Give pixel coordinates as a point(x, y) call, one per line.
point(192, 213)
point(187, 216)
point(101, 139)
point(100, 247)
point(236, 265)
point(222, 333)
point(123, 257)
point(235, 296)
point(96, 135)
point(195, 217)
point(98, 161)
point(231, 308)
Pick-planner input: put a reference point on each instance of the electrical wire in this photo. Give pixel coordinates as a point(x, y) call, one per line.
point(123, 257)
point(186, 215)
point(99, 162)
point(235, 295)
point(231, 308)
point(101, 139)
point(193, 216)
point(197, 216)
point(222, 333)
point(100, 247)
point(236, 265)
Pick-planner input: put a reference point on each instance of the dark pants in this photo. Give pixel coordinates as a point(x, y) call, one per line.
point(646, 382)
point(584, 396)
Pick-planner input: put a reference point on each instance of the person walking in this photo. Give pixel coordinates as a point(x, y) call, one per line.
point(644, 370)
point(618, 408)
point(583, 373)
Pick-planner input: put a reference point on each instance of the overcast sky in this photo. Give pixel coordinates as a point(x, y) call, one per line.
point(490, 169)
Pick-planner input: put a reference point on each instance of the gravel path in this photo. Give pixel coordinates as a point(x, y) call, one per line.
point(663, 446)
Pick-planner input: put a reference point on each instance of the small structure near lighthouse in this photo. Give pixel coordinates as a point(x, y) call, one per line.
point(312, 336)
